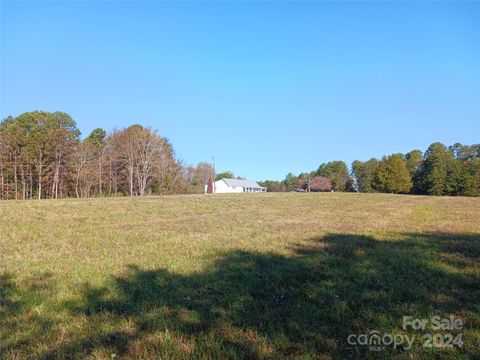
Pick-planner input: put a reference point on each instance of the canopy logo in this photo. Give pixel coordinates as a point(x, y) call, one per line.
point(441, 336)
point(377, 341)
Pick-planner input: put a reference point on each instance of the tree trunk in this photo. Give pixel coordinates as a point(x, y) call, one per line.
point(31, 182)
point(39, 181)
point(15, 179)
point(109, 178)
point(24, 190)
point(99, 178)
point(76, 184)
point(131, 179)
point(55, 183)
point(2, 183)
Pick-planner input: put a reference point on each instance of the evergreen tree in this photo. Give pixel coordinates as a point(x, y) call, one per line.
point(463, 172)
point(97, 137)
point(225, 174)
point(413, 160)
point(472, 184)
point(435, 170)
point(290, 181)
point(336, 171)
point(363, 173)
point(392, 175)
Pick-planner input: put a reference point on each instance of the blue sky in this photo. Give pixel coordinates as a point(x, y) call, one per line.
point(266, 87)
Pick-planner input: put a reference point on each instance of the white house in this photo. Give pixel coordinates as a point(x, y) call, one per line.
point(236, 186)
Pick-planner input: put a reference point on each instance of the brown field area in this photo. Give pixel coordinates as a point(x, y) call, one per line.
point(236, 276)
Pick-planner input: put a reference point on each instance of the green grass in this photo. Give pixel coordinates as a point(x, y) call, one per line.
point(235, 276)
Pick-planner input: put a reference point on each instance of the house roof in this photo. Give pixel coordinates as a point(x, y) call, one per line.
point(242, 183)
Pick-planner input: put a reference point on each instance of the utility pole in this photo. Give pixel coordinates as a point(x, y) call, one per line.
point(213, 177)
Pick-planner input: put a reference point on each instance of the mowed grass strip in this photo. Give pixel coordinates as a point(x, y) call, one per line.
point(235, 276)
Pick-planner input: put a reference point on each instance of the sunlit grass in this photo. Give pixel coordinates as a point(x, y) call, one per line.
point(234, 276)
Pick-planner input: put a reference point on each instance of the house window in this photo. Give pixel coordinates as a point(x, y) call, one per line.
point(234, 187)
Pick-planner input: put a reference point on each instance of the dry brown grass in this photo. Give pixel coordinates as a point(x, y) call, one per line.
point(177, 276)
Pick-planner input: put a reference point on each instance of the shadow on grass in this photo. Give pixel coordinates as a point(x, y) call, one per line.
point(19, 323)
point(263, 305)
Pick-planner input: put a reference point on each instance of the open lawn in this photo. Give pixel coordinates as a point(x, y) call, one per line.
point(236, 276)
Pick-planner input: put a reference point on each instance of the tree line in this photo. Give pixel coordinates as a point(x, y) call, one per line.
point(42, 156)
point(440, 170)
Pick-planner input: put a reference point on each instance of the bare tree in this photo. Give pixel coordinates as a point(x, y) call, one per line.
point(41, 156)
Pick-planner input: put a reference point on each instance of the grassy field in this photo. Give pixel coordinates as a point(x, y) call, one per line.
point(236, 276)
